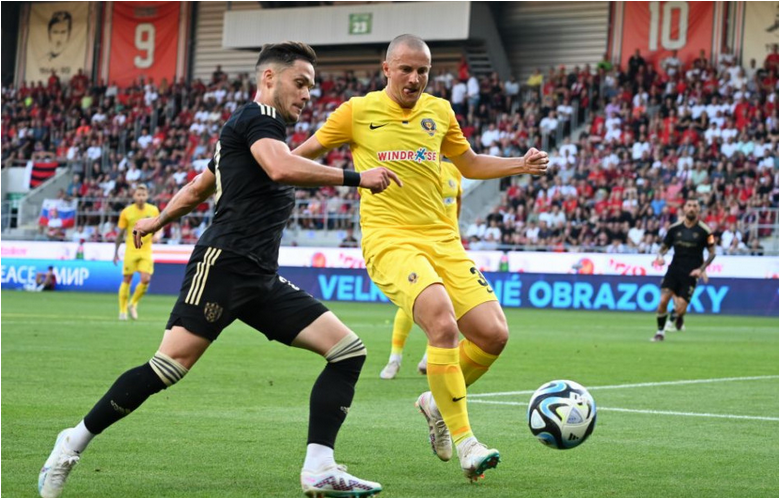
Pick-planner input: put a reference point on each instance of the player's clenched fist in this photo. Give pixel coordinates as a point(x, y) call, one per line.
point(535, 162)
point(377, 179)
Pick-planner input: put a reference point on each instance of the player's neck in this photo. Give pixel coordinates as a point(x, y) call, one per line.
point(690, 224)
point(140, 205)
point(265, 100)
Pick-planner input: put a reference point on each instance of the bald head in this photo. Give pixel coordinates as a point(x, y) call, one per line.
point(411, 41)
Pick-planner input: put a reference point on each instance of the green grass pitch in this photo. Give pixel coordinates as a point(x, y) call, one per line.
point(236, 425)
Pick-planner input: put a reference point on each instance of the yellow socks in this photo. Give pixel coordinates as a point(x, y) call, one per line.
point(473, 361)
point(402, 328)
point(448, 389)
point(141, 289)
point(124, 294)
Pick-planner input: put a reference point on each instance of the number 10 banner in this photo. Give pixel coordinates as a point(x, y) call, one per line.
point(144, 39)
point(658, 28)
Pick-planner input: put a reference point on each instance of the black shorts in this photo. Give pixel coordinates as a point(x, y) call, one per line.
point(680, 283)
point(222, 286)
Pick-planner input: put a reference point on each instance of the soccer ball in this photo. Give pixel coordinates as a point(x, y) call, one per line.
point(561, 414)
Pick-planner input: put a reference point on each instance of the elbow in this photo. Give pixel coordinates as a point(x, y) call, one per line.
point(277, 175)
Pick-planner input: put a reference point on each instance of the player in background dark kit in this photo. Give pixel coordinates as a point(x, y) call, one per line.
point(689, 237)
point(232, 274)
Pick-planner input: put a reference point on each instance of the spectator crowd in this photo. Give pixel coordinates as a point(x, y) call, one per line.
point(653, 136)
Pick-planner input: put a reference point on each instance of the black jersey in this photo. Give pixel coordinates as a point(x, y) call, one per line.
point(689, 244)
point(251, 209)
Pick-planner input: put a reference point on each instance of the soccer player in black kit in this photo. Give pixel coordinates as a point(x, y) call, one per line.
point(689, 237)
point(232, 274)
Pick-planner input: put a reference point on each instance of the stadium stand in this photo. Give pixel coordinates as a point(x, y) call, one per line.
point(653, 137)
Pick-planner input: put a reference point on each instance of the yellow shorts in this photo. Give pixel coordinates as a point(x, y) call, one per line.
point(404, 266)
point(135, 262)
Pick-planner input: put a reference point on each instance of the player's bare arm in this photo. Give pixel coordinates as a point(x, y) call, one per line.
point(287, 168)
point(189, 197)
point(311, 149)
point(659, 259)
point(478, 166)
point(701, 272)
point(117, 243)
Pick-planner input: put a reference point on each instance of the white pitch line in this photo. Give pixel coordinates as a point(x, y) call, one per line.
point(653, 412)
point(644, 384)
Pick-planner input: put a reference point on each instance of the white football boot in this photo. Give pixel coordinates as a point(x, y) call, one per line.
point(440, 438)
point(422, 368)
point(334, 482)
point(669, 326)
point(660, 336)
point(132, 312)
point(390, 370)
point(54, 472)
point(123, 317)
point(475, 458)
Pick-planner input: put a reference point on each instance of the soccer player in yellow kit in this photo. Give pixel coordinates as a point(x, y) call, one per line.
point(410, 247)
point(451, 186)
point(136, 260)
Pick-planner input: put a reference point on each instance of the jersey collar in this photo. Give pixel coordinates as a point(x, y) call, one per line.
point(396, 106)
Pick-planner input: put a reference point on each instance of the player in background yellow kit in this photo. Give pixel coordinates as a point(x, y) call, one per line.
point(410, 248)
point(451, 186)
point(136, 260)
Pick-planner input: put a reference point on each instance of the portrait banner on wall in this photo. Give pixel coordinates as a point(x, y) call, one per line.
point(56, 40)
point(759, 31)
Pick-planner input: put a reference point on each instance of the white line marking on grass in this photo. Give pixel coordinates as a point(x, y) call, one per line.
point(644, 384)
point(653, 412)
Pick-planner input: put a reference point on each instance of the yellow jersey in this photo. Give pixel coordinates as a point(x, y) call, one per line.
point(452, 191)
point(128, 218)
point(409, 142)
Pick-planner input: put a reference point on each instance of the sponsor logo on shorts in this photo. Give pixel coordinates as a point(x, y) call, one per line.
point(413, 278)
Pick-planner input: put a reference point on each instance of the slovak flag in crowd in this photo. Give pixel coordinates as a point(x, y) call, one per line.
point(58, 213)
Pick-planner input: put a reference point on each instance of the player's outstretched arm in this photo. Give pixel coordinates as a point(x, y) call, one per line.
point(475, 166)
point(189, 197)
point(282, 166)
point(311, 149)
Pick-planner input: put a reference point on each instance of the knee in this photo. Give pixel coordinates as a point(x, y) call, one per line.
point(499, 336)
point(493, 337)
point(347, 355)
point(168, 369)
point(442, 331)
point(146, 280)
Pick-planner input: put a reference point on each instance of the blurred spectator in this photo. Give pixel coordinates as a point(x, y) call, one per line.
point(349, 241)
point(43, 281)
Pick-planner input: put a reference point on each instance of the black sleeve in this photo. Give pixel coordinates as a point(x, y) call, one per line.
point(668, 240)
point(259, 126)
point(211, 165)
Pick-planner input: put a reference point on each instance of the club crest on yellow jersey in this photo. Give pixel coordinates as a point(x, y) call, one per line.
point(428, 124)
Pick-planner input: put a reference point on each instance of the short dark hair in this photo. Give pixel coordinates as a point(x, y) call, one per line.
point(285, 53)
point(60, 17)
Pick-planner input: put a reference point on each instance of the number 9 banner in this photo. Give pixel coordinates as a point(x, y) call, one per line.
point(658, 28)
point(144, 41)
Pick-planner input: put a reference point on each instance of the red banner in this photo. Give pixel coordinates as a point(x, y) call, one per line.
point(144, 40)
point(658, 28)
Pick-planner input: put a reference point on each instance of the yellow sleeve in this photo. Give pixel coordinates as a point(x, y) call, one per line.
point(123, 222)
point(454, 143)
point(338, 129)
